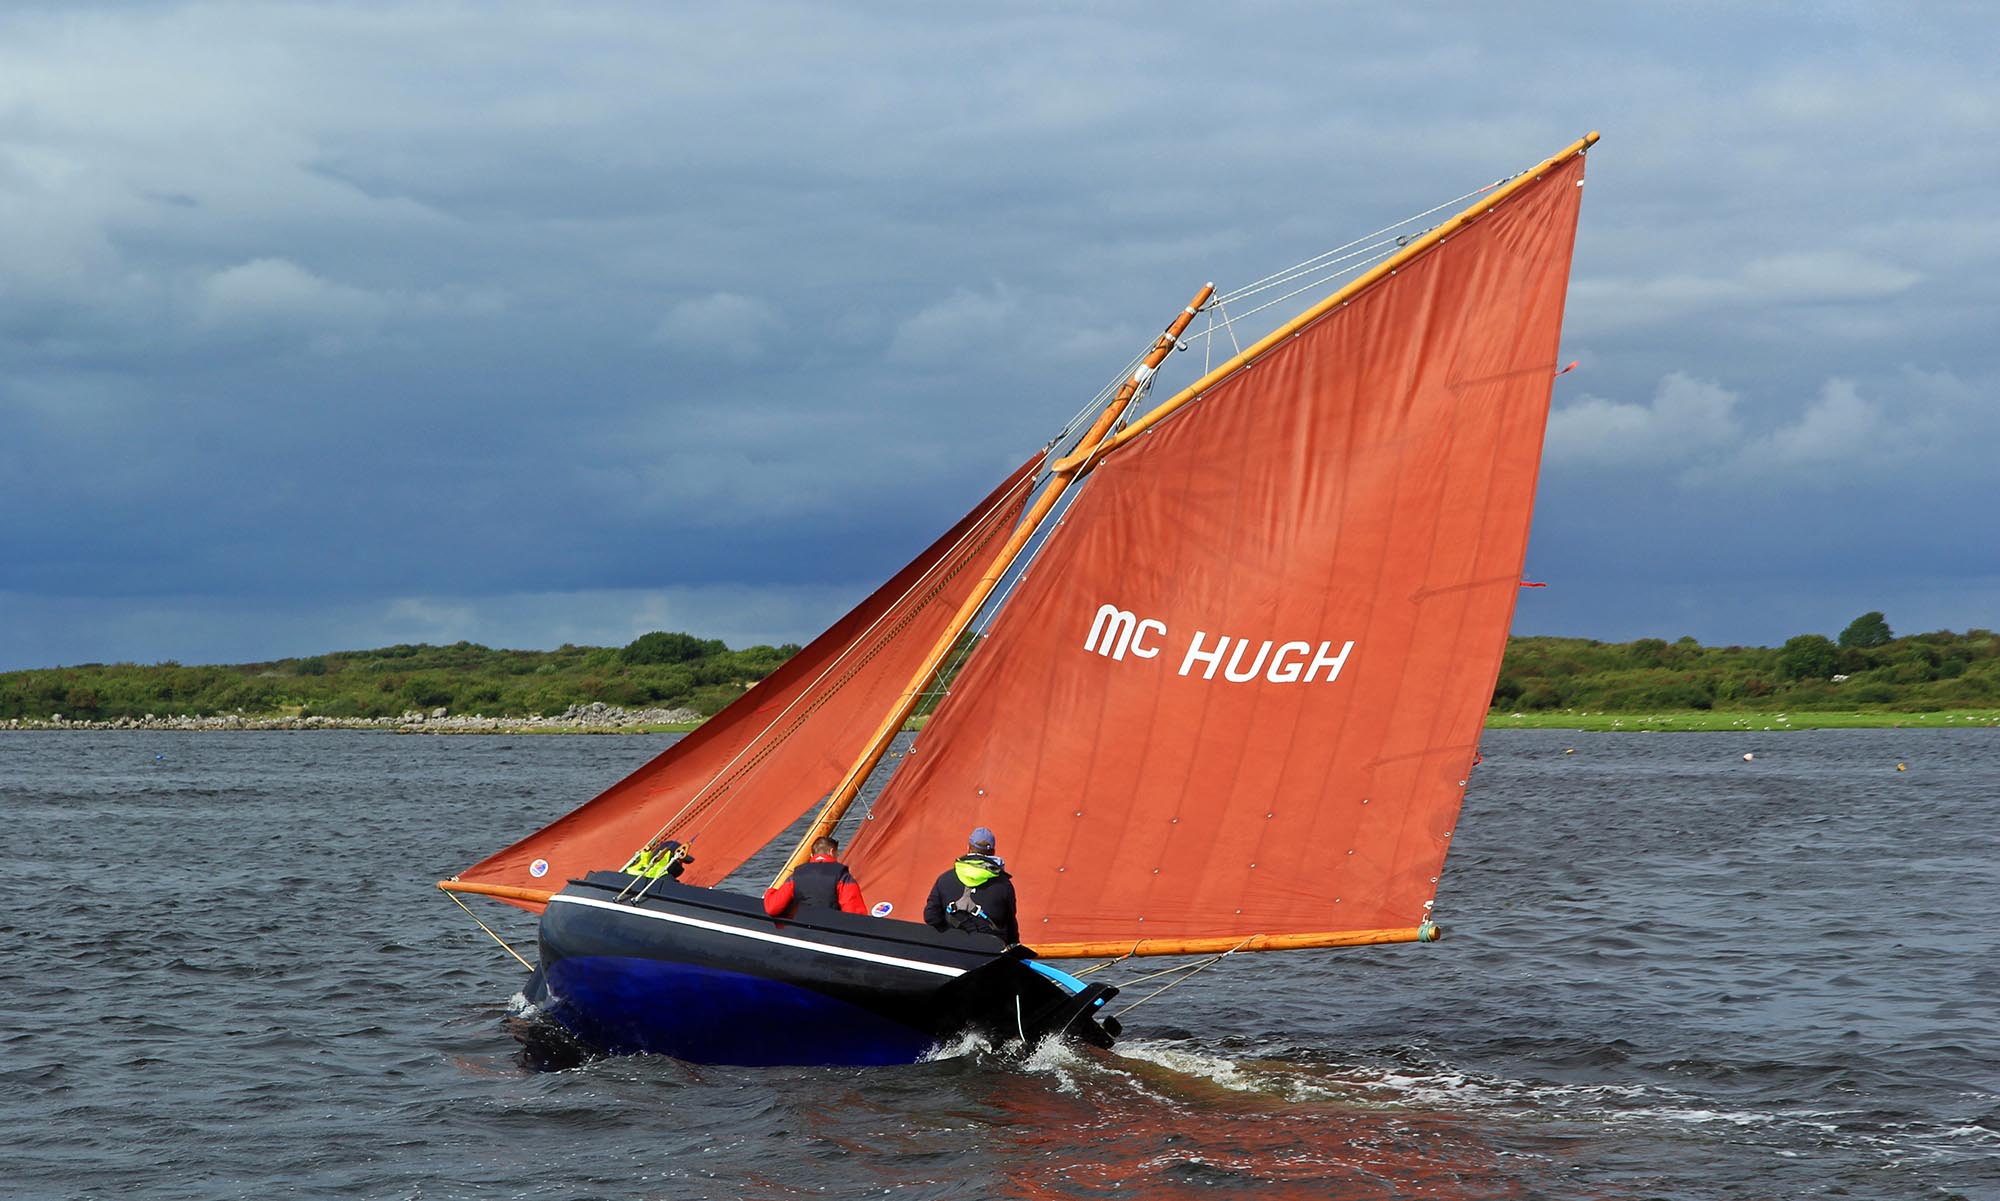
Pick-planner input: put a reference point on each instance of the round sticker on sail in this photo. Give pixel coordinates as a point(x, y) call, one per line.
point(538, 868)
point(883, 909)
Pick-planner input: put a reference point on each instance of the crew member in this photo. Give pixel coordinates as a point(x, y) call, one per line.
point(975, 893)
point(822, 882)
point(668, 859)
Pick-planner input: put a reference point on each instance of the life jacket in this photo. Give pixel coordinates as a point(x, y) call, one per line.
point(965, 913)
point(651, 864)
point(816, 884)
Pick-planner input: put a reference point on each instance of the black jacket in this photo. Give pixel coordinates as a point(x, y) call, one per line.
point(988, 905)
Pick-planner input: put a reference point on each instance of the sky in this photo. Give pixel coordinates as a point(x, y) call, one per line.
point(327, 327)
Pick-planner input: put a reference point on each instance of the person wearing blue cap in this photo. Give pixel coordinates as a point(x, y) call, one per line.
point(975, 893)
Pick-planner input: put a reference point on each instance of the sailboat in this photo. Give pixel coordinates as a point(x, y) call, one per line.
point(1213, 670)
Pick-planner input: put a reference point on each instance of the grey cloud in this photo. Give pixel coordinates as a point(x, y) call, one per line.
point(418, 306)
point(725, 323)
point(1686, 419)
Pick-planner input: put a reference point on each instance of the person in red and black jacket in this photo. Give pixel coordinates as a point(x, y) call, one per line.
point(821, 882)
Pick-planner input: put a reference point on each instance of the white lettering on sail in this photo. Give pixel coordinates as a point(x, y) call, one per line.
point(1234, 674)
point(1116, 633)
point(1117, 630)
point(1285, 667)
point(1212, 658)
point(1336, 663)
point(1283, 672)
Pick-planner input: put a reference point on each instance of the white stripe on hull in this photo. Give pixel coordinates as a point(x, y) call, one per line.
point(761, 936)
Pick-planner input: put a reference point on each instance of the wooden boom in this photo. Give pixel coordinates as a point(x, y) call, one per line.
point(1217, 946)
point(534, 895)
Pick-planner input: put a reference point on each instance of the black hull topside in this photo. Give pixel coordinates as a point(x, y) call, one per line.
point(708, 976)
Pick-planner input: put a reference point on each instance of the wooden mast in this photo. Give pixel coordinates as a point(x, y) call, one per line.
point(1062, 474)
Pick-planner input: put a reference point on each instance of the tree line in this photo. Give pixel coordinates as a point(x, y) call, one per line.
point(1866, 668)
point(657, 670)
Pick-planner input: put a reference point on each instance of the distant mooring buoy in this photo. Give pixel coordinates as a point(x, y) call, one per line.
point(1900, 767)
point(1570, 751)
point(1747, 756)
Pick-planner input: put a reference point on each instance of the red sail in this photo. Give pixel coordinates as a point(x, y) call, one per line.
point(744, 775)
point(1239, 692)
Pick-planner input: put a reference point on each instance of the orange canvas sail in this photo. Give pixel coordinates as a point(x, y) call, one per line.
point(738, 780)
point(1235, 700)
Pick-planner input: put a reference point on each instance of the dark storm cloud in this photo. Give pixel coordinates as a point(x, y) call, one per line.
point(329, 326)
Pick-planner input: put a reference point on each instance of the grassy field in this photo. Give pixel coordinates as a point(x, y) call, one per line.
point(1710, 719)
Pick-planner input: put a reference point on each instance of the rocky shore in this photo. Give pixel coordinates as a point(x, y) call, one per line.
point(594, 718)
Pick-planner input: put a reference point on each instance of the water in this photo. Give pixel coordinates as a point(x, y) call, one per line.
point(1668, 973)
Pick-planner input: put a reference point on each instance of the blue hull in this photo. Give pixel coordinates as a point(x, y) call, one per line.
point(706, 976)
point(702, 1014)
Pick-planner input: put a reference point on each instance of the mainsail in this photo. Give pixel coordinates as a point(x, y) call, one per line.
point(780, 746)
point(1235, 701)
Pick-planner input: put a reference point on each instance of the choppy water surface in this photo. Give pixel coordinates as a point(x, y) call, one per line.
point(1670, 973)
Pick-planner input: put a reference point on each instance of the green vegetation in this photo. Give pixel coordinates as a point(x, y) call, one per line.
point(656, 671)
point(1713, 719)
point(1866, 677)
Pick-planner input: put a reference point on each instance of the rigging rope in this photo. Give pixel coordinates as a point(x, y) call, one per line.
point(489, 931)
point(1311, 264)
point(1348, 259)
point(1187, 971)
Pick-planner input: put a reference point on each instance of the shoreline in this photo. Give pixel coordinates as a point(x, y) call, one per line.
point(1724, 721)
point(598, 718)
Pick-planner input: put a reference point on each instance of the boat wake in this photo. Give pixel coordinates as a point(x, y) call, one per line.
point(1177, 1073)
point(1052, 1056)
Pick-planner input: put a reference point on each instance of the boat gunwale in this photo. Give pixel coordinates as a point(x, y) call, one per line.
point(818, 933)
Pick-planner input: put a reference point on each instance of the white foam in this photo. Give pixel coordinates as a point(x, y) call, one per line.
point(1275, 1080)
point(958, 1048)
